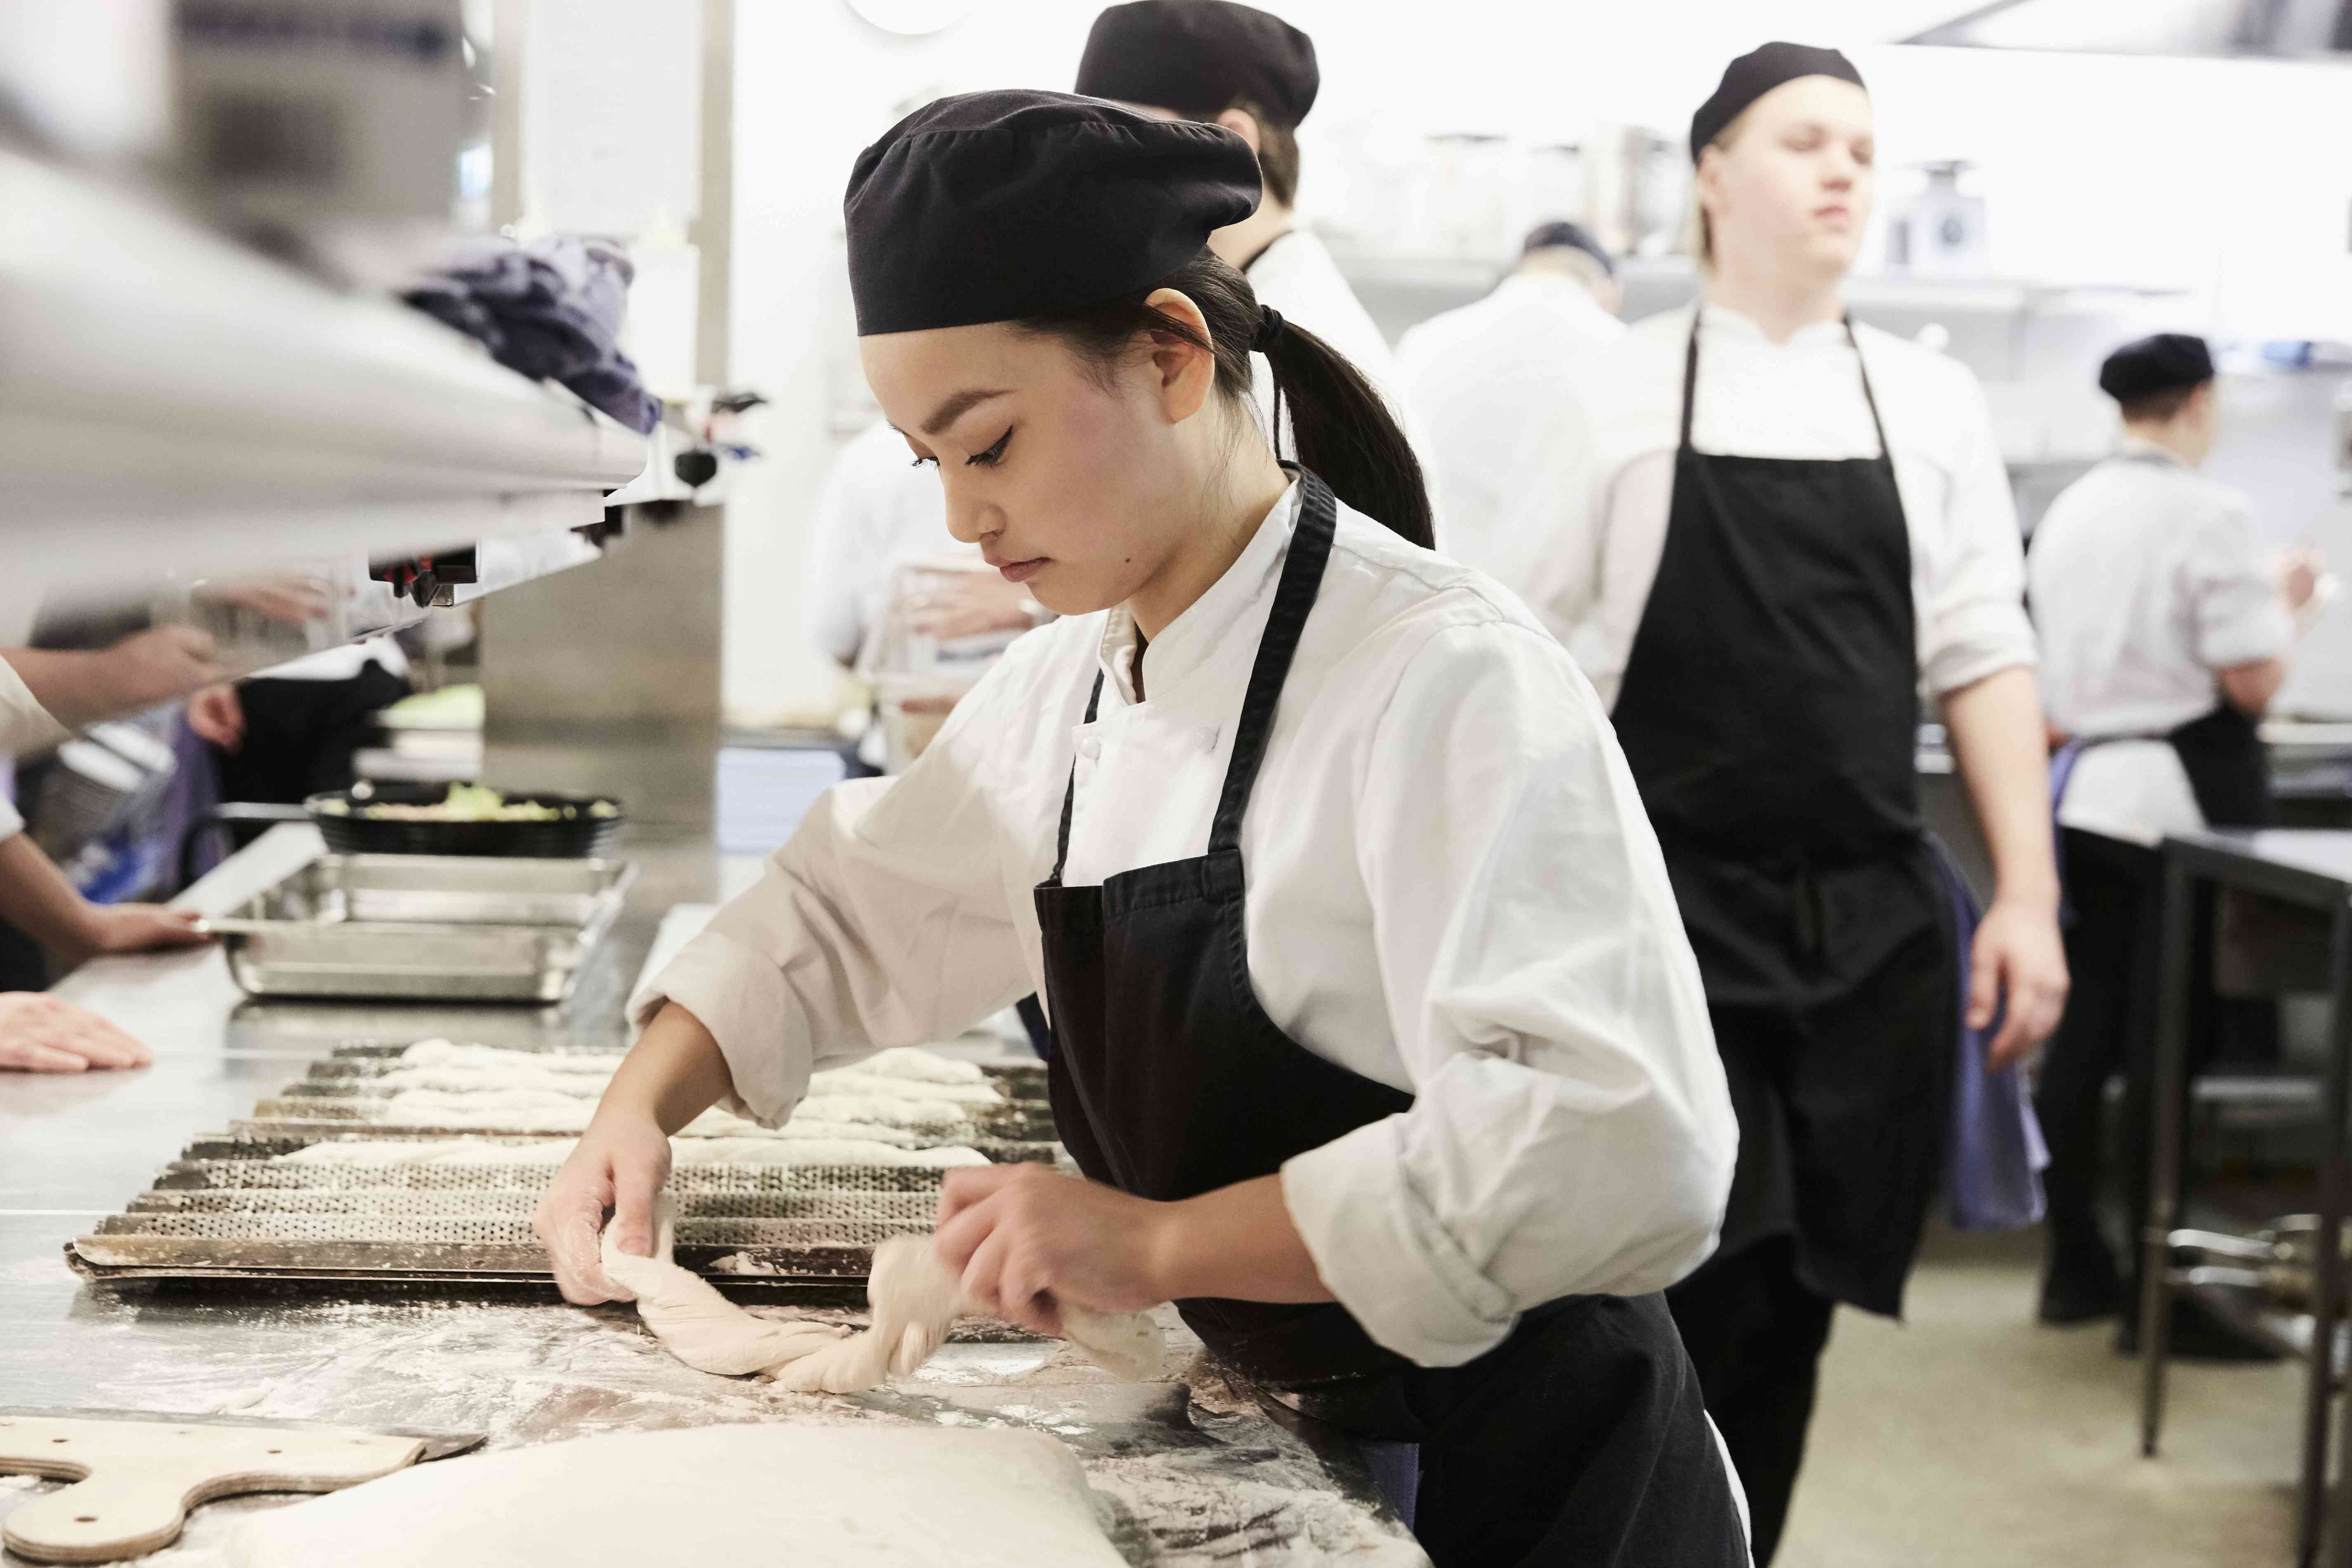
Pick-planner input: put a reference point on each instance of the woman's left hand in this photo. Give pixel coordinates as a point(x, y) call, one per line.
point(2019, 952)
point(1026, 1238)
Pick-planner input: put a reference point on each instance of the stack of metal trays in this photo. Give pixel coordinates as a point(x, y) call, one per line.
point(425, 927)
point(233, 1206)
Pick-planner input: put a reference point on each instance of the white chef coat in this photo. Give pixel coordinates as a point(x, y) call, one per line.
point(25, 727)
point(2147, 582)
point(1452, 889)
point(1479, 378)
point(1585, 517)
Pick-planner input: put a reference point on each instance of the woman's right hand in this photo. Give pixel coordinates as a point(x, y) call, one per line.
point(617, 1167)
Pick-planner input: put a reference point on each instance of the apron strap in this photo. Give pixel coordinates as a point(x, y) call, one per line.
point(1690, 385)
point(1885, 452)
point(1070, 792)
point(1294, 597)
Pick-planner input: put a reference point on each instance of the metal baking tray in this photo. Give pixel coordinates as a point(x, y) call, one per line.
point(469, 938)
point(449, 889)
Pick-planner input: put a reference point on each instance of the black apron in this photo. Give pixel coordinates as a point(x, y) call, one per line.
point(1581, 1436)
point(1769, 712)
point(1167, 1080)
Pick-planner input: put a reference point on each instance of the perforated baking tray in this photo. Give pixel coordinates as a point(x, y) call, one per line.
point(230, 1209)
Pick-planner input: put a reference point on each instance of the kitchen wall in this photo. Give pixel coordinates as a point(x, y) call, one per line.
point(2227, 183)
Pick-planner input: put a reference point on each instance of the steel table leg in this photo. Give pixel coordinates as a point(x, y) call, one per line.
point(2172, 978)
point(2335, 1186)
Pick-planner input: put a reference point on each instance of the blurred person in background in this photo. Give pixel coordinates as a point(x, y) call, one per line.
point(1764, 532)
point(1480, 377)
point(2166, 633)
point(1254, 74)
point(44, 696)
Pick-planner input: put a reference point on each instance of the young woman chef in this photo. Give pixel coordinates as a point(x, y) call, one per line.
point(1764, 532)
point(1377, 1037)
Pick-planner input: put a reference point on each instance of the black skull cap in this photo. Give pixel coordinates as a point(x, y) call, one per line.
point(1757, 72)
point(1000, 206)
point(1200, 57)
point(2161, 363)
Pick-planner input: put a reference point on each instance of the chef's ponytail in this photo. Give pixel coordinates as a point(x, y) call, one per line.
point(1340, 426)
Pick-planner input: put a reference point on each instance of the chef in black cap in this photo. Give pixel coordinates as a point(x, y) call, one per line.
point(1766, 533)
point(1254, 74)
point(2166, 632)
point(1374, 1034)
point(1481, 376)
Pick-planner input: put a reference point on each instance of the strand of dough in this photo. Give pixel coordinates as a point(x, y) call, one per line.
point(916, 1300)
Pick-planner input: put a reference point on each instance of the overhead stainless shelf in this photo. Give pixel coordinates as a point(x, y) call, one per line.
point(169, 400)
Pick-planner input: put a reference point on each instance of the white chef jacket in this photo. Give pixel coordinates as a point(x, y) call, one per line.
point(1452, 889)
point(1585, 517)
point(1479, 377)
point(2147, 582)
point(25, 727)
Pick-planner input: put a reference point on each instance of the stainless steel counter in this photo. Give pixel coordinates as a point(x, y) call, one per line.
point(1196, 1479)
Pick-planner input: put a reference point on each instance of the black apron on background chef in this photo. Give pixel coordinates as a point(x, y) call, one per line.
point(1251, 71)
point(2153, 599)
point(1767, 682)
point(1229, 889)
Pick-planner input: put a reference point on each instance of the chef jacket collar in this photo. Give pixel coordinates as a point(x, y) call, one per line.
point(2139, 447)
point(1190, 641)
point(1723, 322)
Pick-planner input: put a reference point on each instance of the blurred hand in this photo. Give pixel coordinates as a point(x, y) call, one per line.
point(2299, 571)
point(289, 598)
point(1025, 1239)
point(967, 604)
point(40, 1033)
point(140, 928)
point(617, 1167)
point(218, 717)
point(155, 666)
point(2017, 953)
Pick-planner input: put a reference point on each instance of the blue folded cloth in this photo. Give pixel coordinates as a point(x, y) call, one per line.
point(553, 310)
point(1995, 1156)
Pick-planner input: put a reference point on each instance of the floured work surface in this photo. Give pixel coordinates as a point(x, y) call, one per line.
point(1199, 1478)
point(425, 1161)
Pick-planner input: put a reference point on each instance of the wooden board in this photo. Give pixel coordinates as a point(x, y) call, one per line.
point(136, 1480)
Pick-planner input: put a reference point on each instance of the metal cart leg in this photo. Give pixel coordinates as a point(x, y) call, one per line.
point(2164, 1161)
point(2334, 1187)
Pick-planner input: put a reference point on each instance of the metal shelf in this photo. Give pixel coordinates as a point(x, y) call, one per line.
point(172, 401)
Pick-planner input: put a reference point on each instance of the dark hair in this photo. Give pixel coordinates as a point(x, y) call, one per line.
point(1340, 427)
point(2156, 407)
point(1277, 154)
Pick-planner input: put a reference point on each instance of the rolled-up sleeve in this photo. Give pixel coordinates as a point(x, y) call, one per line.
point(1571, 1133)
point(2238, 615)
point(883, 922)
point(1973, 622)
point(25, 727)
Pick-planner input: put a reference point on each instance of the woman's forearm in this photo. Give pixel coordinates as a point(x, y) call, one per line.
point(1999, 738)
point(673, 1073)
point(1238, 1242)
point(36, 898)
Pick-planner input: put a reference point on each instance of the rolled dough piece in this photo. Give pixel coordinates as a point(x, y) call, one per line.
point(916, 1298)
point(698, 1325)
point(872, 1495)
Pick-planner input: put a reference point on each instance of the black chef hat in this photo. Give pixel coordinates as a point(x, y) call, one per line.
point(1200, 57)
point(1571, 237)
point(2160, 363)
point(992, 207)
point(1756, 73)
